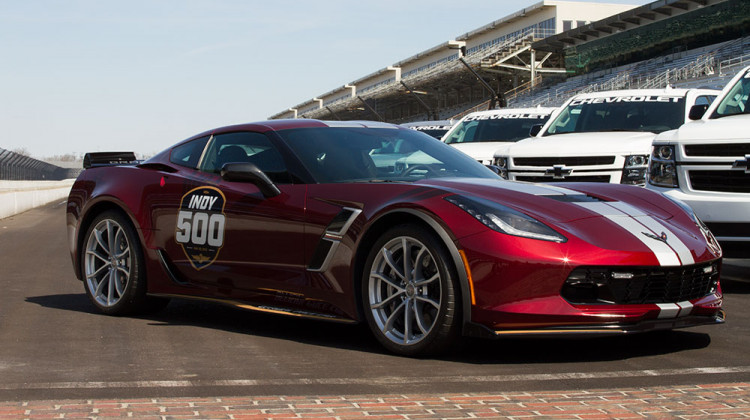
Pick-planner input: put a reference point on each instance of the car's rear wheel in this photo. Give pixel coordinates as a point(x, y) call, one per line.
point(112, 265)
point(409, 292)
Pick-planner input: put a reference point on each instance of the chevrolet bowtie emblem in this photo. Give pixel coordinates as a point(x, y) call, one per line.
point(743, 164)
point(558, 172)
point(662, 237)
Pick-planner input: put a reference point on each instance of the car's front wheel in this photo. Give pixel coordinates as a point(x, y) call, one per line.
point(409, 292)
point(112, 265)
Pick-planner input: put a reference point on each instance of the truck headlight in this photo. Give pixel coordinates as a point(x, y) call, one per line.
point(662, 170)
point(634, 171)
point(502, 163)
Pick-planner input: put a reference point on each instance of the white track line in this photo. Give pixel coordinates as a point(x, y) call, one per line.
point(377, 381)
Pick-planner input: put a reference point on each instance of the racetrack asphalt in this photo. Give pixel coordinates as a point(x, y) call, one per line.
point(60, 360)
point(717, 401)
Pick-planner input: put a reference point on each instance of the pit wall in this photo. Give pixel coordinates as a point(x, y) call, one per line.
point(19, 196)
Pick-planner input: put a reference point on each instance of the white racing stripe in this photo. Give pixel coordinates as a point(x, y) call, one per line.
point(668, 310)
point(657, 228)
point(538, 189)
point(663, 252)
point(381, 381)
point(685, 308)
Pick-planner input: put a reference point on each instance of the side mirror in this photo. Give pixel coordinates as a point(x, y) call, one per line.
point(247, 172)
point(697, 111)
point(535, 129)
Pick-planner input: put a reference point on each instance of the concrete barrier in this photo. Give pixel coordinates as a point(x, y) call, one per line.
point(19, 196)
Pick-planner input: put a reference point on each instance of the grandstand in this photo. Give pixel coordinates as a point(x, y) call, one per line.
point(537, 57)
point(446, 78)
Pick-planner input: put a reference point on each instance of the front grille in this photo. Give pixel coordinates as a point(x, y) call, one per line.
point(729, 229)
point(577, 178)
point(736, 181)
point(640, 285)
point(567, 161)
point(718, 150)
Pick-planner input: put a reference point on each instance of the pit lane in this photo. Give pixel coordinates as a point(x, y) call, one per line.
point(55, 345)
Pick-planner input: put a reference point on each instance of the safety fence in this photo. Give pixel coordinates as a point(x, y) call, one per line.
point(17, 167)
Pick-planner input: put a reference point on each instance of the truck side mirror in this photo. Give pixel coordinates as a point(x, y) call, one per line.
point(697, 111)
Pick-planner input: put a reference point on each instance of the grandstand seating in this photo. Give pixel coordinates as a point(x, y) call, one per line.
point(710, 66)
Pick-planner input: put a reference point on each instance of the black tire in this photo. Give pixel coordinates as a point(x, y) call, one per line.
point(416, 314)
point(115, 280)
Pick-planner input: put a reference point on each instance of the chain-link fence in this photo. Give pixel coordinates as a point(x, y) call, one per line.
point(15, 167)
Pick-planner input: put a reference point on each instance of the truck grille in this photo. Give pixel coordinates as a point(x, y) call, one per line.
point(721, 181)
point(576, 178)
point(646, 284)
point(567, 161)
point(717, 150)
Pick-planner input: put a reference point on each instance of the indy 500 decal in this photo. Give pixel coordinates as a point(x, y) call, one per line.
point(200, 225)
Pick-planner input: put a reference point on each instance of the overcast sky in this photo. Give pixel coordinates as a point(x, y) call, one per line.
point(139, 75)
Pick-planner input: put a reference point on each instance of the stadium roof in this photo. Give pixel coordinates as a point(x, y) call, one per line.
point(640, 16)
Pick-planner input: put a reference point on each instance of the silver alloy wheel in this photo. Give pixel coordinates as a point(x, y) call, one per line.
point(107, 262)
point(405, 290)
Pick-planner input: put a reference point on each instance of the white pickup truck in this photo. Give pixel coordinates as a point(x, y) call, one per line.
point(483, 133)
point(706, 164)
point(601, 137)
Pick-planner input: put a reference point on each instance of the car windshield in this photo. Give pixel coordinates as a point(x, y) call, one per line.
point(620, 113)
point(489, 128)
point(736, 100)
point(358, 154)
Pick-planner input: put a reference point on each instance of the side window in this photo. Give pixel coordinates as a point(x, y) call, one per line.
point(246, 147)
point(189, 154)
point(704, 99)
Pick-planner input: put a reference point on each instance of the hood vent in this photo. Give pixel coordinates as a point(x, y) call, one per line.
point(573, 198)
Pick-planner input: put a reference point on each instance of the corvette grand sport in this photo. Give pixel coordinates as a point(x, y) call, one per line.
point(314, 219)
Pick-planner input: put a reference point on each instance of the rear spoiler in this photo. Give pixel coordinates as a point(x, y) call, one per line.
point(92, 160)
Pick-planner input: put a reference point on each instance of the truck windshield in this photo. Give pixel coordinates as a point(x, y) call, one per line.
point(489, 128)
point(735, 101)
point(620, 113)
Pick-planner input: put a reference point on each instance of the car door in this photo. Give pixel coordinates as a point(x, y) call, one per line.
point(231, 239)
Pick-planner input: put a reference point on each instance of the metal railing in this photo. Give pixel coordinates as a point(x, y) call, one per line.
point(438, 70)
point(731, 63)
point(17, 167)
point(700, 67)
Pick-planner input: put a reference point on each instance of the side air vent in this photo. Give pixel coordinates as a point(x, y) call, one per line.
point(331, 239)
point(169, 268)
point(324, 248)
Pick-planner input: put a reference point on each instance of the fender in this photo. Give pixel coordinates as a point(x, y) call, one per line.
point(449, 242)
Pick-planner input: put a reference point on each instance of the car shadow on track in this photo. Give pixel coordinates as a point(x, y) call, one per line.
point(358, 338)
point(735, 287)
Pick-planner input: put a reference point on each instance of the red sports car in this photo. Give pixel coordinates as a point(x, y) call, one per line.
point(363, 221)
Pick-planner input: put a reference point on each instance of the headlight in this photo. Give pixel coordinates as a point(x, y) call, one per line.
point(634, 171)
point(662, 171)
point(505, 220)
point(502, 163)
